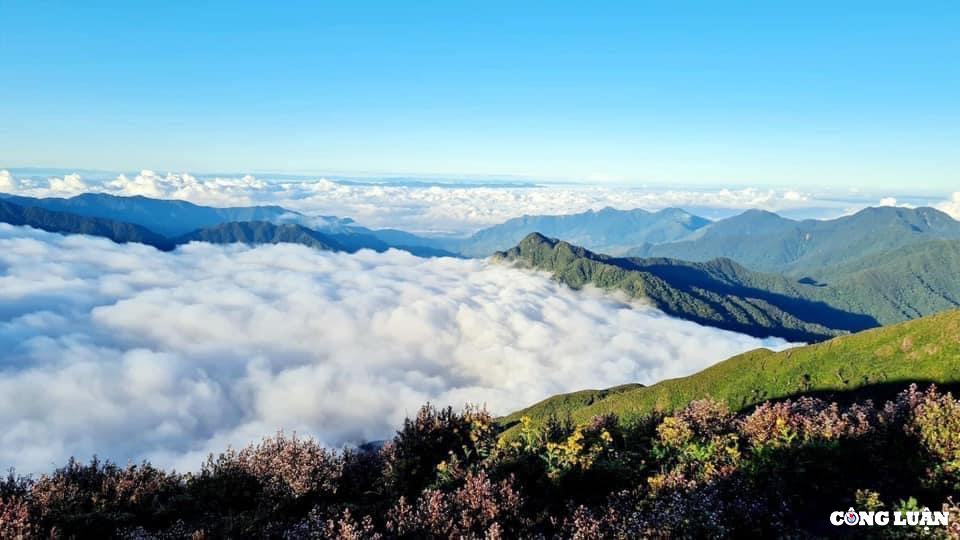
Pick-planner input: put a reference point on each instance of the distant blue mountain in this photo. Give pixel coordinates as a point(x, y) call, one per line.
point(608, 230)
point(766, 242)
point(66, 223)
point(165, 223)
point(166, 217)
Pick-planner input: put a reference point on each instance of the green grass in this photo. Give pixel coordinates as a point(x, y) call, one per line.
point(923, 350)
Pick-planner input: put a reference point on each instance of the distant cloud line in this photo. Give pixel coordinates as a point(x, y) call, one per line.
point(441, 209)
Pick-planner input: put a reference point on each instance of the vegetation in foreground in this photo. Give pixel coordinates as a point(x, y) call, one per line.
point(701, 472)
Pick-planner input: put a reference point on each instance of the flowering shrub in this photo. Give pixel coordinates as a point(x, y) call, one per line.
point(564, 448)
point(15, 519)
point(935, 422)
point(806, 421)
point(702, 471)
point(99, 497)
point(434, 437)
point(480, 508)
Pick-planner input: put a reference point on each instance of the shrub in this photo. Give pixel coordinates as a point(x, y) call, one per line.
point(433, 437)
point(699, 472)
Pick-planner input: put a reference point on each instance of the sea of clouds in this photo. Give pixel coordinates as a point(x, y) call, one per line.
point(457, 209)
point(130, 353)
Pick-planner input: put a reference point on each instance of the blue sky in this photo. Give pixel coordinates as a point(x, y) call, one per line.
point(717, 93)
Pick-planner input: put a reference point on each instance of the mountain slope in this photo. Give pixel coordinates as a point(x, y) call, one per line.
point(607, 230)
point(863, 364)
point(767, 242)
point(66, 223)
point(889, 287)
point(719, 293)
point(173, 218)
point(166, 217)
point(262, 232)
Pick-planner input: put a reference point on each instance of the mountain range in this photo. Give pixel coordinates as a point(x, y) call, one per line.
point(766, 242)
point(66, 223)
point(719, 293)
point(167, 223)
point(899, 285)
point(608, 230)
point(755, 273)
point(168, 218)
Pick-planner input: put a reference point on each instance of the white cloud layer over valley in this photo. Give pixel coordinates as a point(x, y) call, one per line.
point(130, 353)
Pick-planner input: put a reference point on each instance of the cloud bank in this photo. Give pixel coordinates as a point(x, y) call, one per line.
point(131, 353)
point(951, 206)
point(453, 209)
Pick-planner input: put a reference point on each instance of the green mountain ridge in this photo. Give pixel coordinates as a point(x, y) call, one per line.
point(865, 364)
point(893, 286)
point(719, 293)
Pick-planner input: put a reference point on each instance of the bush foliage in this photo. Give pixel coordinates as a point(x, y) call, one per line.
point(703, 471)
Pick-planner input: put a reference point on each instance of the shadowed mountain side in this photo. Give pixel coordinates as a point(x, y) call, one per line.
point(66, 223)
point(719, 294)
point(261, 232)
point(166, 217)
point(874, 363)
point(344, 235)
point(728, 278)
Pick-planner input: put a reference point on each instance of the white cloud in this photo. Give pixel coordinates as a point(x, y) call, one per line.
point(951, 206)
point(132, 353)
point(71, 184)
point(8, 184)
point(888, 201)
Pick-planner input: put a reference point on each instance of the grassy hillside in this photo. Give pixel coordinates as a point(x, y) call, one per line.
point(862, 364)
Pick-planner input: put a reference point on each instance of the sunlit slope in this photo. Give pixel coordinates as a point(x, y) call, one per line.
point(867, 363)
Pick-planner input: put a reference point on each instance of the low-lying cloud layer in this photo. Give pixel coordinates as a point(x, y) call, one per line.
point(131, 353)
point(456, 209)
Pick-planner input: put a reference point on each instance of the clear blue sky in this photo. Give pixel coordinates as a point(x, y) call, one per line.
point(781, 93)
